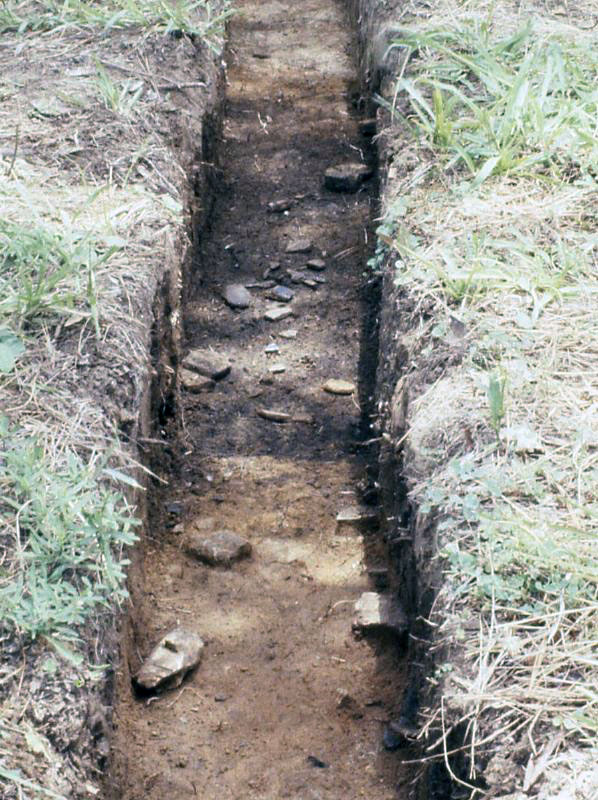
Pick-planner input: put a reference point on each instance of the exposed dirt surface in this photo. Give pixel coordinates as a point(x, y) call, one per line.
point(287, 701)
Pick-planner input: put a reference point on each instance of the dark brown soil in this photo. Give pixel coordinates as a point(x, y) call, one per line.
point(283, 678)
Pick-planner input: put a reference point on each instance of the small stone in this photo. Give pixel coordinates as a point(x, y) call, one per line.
point(335, 386)
point(289, 333)
point(174, 656)
point(194, 382)
point(310, 283)
point(281, 293)
point(271, 348)
point(353, 515)
point(306, 419)
point(299, 246)
point(176, 507)
point(279, 206)
point(260, 284)
point(314, 761)
point(319, 279)
point(349, 706)
point(276, 314)
point(346, 177)
point(296, 276)
point(220, 548)
point(273, 416)
point(207, 363)
point(260, 54)
point(367, 127)
point(236, 296)
point(379, 611)
point(316, 264)
point(278, 368)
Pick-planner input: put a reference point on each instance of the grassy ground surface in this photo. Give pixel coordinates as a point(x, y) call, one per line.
point(90, 215)
point(491, 228)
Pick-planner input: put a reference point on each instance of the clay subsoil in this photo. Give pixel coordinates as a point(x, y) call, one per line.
point(284, 677)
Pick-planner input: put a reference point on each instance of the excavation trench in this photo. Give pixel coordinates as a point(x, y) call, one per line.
point(288, 701)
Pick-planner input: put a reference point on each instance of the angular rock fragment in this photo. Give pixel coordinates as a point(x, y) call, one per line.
point(194, 382)
point(354, 515)
point(174, 656)
point(310, 283)
point(289, 333)
point(346, 177)
point(221, 548)
point(271, 348)
point(375, 611)
point(207, 363)
point(316, 264)
point(281, 293)
point(336, 386)
point(236, 296)
point(296, 276)
point(276, 314)
point(277, 368)
point(273, 416)
point(299, 246)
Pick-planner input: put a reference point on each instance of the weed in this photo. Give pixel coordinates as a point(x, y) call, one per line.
point(118, 97)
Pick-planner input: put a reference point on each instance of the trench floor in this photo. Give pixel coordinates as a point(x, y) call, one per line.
point(283, 676)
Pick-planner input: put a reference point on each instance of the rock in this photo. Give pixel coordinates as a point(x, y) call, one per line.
point(299, 246)
point(236, 296)
point(194, 382)
point(392, 741)
point(221, 548)
point(316, 264)
point(335, 386)
point(206, 363)
point(353, 515)
point(349, 706)
point(296, 276)
point(273, 416)
point(278, 368)
point(367, 127)
point(265, 284)
point(314, 761)
point(310, 283)
point(379, 612)
point(319, 279)
point(346, 177)
point(174, 656)
point(279, 206)
point(289, 333)
point(276, 314)
point(271, 348)
point(281, 293)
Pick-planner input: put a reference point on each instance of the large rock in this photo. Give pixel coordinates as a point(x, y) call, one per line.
point(236, 296)
point(221, 548)
point(174, 656)
point(346, 177)
point(379, 612)
point(206, 363)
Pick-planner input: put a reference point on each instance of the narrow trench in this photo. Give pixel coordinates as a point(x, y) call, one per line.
point(287, 701)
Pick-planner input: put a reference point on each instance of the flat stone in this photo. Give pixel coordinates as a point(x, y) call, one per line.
point(278, 368)
point(290, 333)
point(346, 177)
point(221, 548)
point(320, 279)
point(276, 314)
point(279, 206)
point(310, 283)
point(335, 386)
point(355, 515)
point(272, 348)
point(236, 296)
point(174, 656)
point(299, 246)
point(194, 382)
point(273, 416)
point(316, 264)
point(381, 612)
point(296, 276)
point(265, 284)
point(207, 363)
point(281, 293)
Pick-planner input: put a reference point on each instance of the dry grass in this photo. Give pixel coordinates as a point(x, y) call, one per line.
point(511, 480)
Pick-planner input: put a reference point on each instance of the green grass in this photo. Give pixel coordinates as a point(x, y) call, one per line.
point(516, 105)
point(69, 532)
point(195, 17)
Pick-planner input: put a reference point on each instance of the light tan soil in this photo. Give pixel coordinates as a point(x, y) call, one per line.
point(283, 676)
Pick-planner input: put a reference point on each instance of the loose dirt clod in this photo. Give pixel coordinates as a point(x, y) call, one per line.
point(174, 656)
